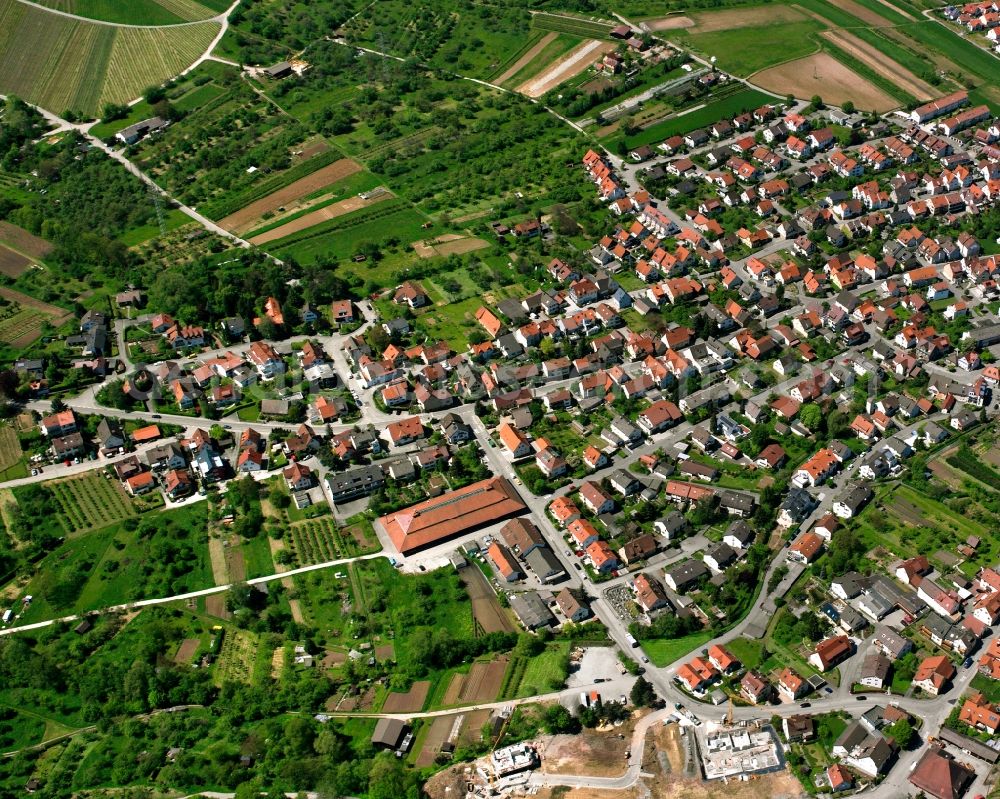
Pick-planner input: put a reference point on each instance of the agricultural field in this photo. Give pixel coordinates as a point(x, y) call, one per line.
point(822, 74)
point(884, 51)
point(64, 64)
point(310, 184)
point(236, 659)
point(20, 240)
point(140, 12)
point(91, 501)
point(320, 540)
point(735, 102)
point(23, 318)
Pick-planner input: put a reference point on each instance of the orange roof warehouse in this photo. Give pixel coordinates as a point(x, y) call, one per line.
point(439, 519)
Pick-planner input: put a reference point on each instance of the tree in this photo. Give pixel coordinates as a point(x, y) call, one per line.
point(901, 732)
point(643, 694)
point(558, 720)
point(811, 416)
point(848, 107)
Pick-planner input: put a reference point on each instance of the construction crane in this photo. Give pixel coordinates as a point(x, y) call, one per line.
point(729, 713)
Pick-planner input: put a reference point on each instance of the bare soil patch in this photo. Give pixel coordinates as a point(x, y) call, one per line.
point(906, 512)
point(454, 690)
point(524, 60)
point(24, 242)
point(277, 662)
point(385, 653)
point(472, 730)
point(351, 703)
point(217, 556)
point(333, 658)
point(215, 605)
point(186, 650)
point(448, 245)
point(943, 471)
point(485, 607)
point(569, 66)
point(439, 732)
point(358, 533)
point(594, 753)
point(727, 19)
point(820, 72)
point(483, 682)
point(871, 57)
point(13, 264)
point(779, 785)
point(235, 564)
point(670, 23)
point(323, 214)
point(312, 149)
point(410, 702)
point(294, 191)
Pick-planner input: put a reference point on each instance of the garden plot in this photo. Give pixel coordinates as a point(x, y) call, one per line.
point(90, 502)
point(410, 702)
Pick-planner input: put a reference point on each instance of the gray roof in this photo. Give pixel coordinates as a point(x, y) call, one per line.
point(531, 610)
point(544, 563)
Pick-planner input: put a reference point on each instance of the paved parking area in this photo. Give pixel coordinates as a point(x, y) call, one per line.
point(598, 663)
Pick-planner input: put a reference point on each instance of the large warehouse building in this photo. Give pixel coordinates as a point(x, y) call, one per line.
point(436, 520)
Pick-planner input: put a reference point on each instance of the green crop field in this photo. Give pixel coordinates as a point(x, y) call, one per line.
point(64, 64)
point(725, 108)
point(740, 50)
point(575, 26)
point(138, 12)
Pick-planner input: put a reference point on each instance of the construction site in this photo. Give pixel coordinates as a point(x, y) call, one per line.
point(737, 750)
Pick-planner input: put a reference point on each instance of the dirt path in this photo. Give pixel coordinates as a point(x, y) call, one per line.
point(217, 555)
point(821, 72)
point(570, 65)
point(524, 60)
point(319, 215)
point(872, 58)
point(302, 187)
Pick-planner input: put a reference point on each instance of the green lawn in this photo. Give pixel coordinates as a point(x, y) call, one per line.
point(747, 650)
point(257, 557)
point(545, 672)
point(664, 652)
